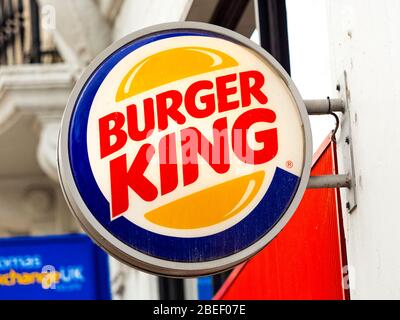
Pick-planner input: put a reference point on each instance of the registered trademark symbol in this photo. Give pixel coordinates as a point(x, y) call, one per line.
point(289, 164)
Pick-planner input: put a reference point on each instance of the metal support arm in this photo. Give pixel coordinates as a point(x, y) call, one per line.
point(320, 107)
point(330, 181)
point(325, 106)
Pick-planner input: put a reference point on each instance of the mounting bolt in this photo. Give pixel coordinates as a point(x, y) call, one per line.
point(347, 140)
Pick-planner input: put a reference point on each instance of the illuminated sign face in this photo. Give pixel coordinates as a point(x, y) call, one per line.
point(184, 149)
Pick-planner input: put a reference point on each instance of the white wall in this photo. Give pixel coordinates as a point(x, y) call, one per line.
point(137, 14)
point(365, 41)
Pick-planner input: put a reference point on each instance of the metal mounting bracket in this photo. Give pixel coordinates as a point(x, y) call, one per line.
point(345, 145)
point(345, 181)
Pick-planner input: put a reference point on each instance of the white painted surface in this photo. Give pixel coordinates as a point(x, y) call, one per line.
point(309, 58)
point(80, 30)
point(131, 284)
point(110, 8)
point(191, 289)
point(365, 41)
point(138, 14)
point(362, 37)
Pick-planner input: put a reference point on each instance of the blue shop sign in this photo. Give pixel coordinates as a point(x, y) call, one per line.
point(67, 267)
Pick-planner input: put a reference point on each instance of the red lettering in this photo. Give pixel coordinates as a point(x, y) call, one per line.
point(223, 92)
point(122, 179)
point(269, 138)
point(208, 100)
point(194, 143)
point(133, 124)
point(200, 101)
point(106, 132)
point(249, 90)
point(168, 164)
point(169, 110)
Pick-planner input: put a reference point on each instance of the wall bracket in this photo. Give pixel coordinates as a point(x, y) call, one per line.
point(345, 145)
point(346, 181)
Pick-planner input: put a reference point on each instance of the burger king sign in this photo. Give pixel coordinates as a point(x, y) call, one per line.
point(184, 149)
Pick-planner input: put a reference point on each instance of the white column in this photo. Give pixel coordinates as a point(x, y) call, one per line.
point(137, 14)
point(80, 29)
point(365, 41)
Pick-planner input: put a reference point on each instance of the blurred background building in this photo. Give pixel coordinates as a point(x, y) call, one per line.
point(46, 44)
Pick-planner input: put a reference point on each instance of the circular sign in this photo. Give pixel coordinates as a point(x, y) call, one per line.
point(184, 149)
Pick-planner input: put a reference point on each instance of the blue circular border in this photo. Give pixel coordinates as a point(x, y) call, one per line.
point(202, 249)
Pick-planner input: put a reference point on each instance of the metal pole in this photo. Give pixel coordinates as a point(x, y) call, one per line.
point(330, 182)
point(35, 29)
point(325, 106)
point(227, 14)
point(171, 289)
point(3, 53)
point(272, 24)
point(21, 28)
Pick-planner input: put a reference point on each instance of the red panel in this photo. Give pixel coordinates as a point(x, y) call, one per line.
point(305, 260)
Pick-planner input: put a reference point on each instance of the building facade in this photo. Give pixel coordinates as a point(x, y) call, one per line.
point(46, 44)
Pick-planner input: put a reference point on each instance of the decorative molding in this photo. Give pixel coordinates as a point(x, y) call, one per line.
point(34, 89)
point(110, 8)
point(81, 31)
point(40, 91)
point(47, 148)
